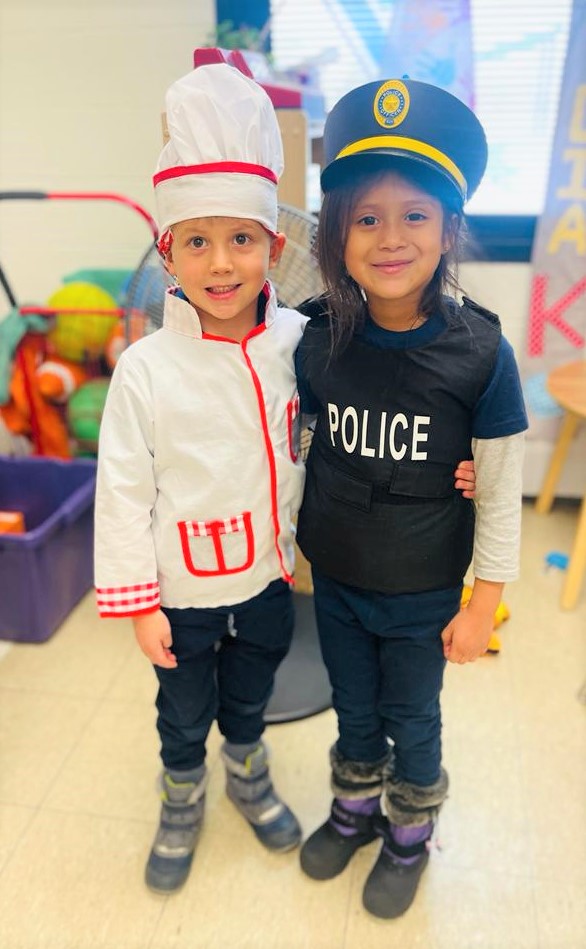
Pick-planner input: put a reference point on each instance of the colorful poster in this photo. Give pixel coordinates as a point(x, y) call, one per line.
point(556, 331)
point(431, 41)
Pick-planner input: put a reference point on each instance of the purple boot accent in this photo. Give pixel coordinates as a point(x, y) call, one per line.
point(392, 883)
point(407, 837)
point(352, 824)
point(366, 806)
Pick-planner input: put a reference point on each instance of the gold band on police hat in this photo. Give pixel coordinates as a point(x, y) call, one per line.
point(409, 145)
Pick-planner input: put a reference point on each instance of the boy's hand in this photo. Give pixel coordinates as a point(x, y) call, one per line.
point(465, 476)
point(153, 634)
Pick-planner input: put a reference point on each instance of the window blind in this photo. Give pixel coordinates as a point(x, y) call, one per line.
point(518, 58)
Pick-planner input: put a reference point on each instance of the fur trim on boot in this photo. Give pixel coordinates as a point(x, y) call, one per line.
point(409, 805)
point(356, 779)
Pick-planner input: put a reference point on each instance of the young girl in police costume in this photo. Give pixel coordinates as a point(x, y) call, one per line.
point(404, 381)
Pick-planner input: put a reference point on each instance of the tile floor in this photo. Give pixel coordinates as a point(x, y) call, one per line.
point(78, 808)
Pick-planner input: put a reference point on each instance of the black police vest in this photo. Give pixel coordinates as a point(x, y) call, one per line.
point(380, 510)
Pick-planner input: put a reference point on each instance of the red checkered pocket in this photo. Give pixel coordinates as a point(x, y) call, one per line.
point(217, 548)
point(294, 427)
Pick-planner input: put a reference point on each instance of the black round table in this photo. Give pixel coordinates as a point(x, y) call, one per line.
point(302, 687)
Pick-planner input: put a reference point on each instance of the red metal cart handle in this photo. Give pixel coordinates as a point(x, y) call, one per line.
point(49, 311)
point(83, 196)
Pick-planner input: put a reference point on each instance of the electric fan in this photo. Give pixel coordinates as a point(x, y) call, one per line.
point(301, 684)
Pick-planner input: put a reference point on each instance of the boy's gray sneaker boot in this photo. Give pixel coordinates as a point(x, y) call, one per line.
point(249, 787)
point(183, 796)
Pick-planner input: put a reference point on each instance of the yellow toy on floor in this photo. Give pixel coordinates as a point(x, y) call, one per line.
point(502, 613)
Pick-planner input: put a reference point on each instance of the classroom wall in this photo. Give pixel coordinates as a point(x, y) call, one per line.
point(82, 86)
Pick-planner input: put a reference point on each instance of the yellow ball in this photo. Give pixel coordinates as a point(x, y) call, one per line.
point(80, 336)
point(502, 614)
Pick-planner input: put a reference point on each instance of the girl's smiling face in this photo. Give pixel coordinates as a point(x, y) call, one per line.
point(396, 237)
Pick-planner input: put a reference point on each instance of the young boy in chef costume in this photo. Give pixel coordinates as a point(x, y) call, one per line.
point(198, 471)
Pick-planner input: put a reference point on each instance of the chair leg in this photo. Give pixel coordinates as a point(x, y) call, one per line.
point(567, 432)
point(576, 564)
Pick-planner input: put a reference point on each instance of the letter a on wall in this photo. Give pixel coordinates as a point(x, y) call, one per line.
point(556, 331)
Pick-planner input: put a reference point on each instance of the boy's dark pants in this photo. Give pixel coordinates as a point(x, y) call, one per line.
point(226, 663)
point(385, 660)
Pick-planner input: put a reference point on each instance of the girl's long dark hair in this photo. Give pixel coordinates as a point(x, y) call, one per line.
point(347, 307)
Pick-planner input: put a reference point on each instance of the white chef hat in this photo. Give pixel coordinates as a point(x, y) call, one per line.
point(224, 156)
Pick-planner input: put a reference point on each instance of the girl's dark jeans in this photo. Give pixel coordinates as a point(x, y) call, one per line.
point(385, 661)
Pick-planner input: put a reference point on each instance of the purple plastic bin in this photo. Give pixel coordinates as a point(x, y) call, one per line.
point(45, 571)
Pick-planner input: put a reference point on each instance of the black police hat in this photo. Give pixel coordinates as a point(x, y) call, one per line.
point(407, 120)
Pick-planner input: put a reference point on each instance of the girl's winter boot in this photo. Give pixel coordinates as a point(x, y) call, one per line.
point(183, 796)
point(250, 788)
point(330, 848)
point(355, 813)
point(392, 883)
point(411, 811)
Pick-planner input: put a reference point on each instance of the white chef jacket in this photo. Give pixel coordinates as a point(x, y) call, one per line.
point(198, 470)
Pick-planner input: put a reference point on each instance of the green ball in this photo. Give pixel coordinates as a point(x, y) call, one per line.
point(84, 412)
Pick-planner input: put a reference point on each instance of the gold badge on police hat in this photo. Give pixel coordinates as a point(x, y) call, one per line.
point(391, 104)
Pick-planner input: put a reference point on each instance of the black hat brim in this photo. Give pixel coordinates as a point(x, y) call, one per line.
point(343, 171)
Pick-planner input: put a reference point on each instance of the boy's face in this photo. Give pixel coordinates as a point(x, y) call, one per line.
point(221, 264)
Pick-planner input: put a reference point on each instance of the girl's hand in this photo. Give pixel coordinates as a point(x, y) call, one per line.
point(466, 636)
point(465, 476)
point(153, 634)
